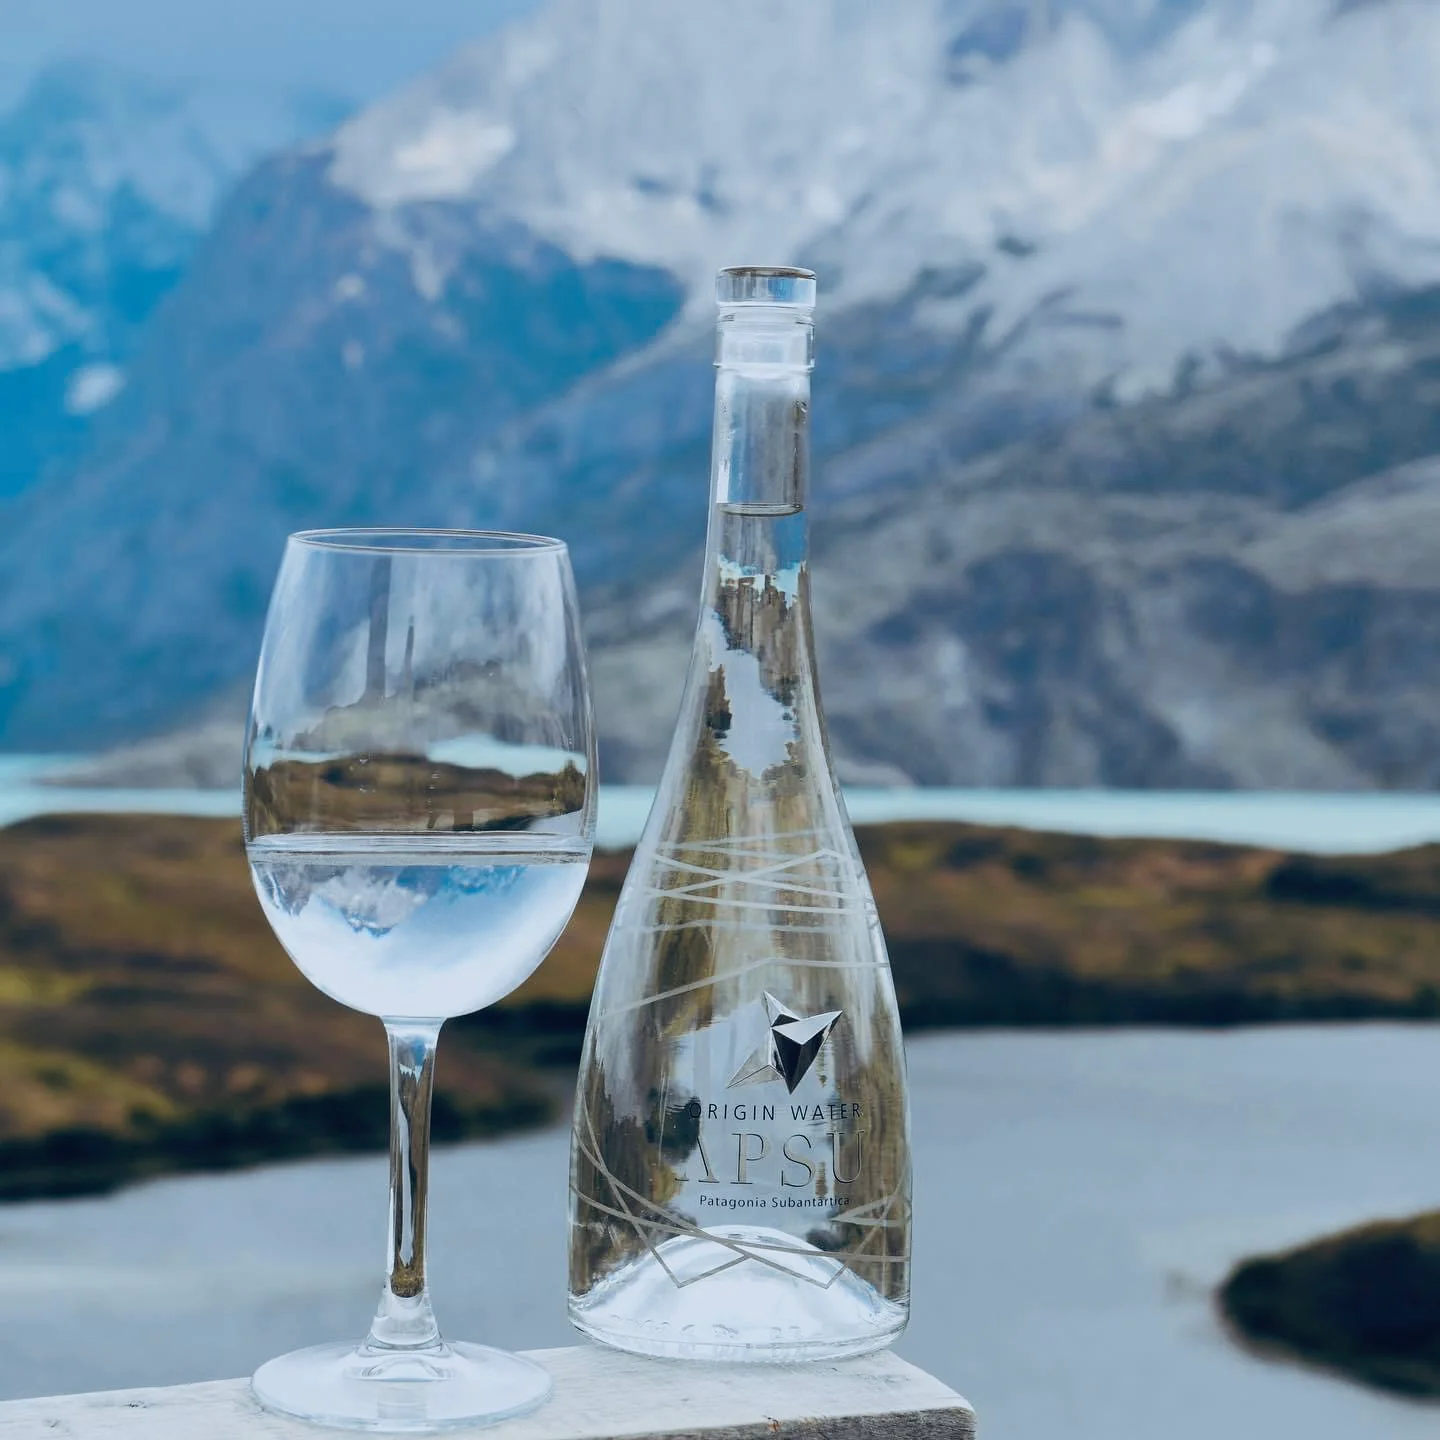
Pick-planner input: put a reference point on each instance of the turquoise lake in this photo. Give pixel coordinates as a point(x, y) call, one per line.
point(1355, 823)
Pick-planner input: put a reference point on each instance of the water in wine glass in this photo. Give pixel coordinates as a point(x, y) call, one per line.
point(430, 926)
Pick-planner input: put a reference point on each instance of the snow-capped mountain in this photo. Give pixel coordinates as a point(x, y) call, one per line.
point(106, 182)
point(1180, 250)
point(1142, 182)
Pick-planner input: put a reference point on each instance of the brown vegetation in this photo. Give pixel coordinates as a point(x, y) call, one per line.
point(363, 791)
point(1012, 927)
point(149, 1020)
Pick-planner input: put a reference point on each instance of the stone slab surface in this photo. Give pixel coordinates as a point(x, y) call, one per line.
point(599, 1395)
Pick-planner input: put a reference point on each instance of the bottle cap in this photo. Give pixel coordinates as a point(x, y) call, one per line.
point(765, 285)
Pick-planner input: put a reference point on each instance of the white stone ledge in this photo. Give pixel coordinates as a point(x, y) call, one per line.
point(599, 1395)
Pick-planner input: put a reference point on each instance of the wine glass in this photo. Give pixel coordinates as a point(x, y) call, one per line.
point(419, 815)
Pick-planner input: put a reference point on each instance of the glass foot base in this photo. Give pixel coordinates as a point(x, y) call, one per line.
point(401, 1392)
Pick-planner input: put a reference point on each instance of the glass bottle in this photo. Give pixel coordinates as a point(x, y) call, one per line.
point(740, 1162)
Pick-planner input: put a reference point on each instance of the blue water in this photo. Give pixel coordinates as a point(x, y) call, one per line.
point(1077, 1198)
point(1353, 823)
point(21, 796)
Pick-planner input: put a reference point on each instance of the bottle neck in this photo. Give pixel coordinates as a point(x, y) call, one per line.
point(754, 653)
point(760, 457)
point(760, 460)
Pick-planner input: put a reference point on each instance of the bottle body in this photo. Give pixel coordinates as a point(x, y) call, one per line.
point(740, 1173)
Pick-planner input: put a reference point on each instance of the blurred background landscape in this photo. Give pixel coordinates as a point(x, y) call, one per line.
point(1126, 547)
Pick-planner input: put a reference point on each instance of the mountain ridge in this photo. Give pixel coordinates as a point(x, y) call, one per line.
point(1163, 271)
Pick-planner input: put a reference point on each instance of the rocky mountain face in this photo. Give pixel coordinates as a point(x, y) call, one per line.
point(1128, 470)
point(1238, 587)
point(107, 181)
point(1186, 593)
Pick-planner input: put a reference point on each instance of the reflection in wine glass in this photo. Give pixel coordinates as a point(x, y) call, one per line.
point(419, 815)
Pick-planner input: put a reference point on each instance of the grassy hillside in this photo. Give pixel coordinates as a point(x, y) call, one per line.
point(149, 1020)
point(1009, 927)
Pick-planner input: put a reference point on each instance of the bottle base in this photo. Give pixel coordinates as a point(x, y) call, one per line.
point(749, 1295)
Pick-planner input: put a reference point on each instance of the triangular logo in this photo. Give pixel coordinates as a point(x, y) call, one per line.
point(791, 1045)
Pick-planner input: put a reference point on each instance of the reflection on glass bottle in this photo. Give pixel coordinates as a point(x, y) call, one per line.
point(740, 1165)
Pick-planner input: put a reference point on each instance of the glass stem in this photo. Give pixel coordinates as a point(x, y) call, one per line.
point(404, 1319)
